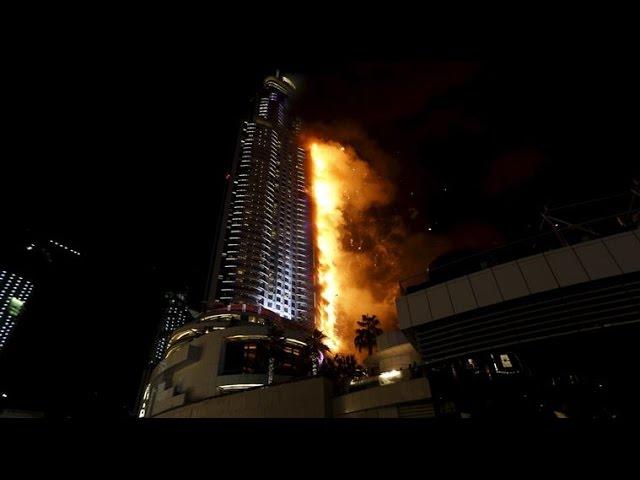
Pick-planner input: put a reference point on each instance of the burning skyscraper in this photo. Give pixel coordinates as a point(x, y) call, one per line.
point(264, 254)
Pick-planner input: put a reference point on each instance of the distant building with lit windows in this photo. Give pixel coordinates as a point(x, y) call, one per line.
point(29, 260)
point(175, 314)
point(264, 254)
point(14, 293)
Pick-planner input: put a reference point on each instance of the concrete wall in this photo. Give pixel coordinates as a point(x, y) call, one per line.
point(311, 398)
point(592, 260)
point(300, 399)
point(389, 339)
point(381, 401)
point(397, 357)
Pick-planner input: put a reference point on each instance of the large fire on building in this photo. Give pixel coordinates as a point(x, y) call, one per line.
point(351, 249)
point(364, 244)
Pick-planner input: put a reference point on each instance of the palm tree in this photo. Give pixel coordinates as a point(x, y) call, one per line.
point(366, 336)
point(273, 348)
point(346, 369)
point(346, 365)
point(316, 346)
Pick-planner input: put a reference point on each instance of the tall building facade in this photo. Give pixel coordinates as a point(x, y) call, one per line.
point(174, 315)
point(14, 293)
point(264, 253)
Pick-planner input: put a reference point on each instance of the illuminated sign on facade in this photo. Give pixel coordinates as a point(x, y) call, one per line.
point(15, 306)
point(14, 292)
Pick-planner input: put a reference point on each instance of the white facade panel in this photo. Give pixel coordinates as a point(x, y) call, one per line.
point(439, 302)
point(419, 308)
point(566, 267)
point(461, 295)
point(625, 248)
point(537, 274)
point(404, 319)
point(485, 288)
point(597, 260)
point(510, 281)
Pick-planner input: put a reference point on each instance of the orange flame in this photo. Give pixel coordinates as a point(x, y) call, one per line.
point(343, 188)
point(328, 220)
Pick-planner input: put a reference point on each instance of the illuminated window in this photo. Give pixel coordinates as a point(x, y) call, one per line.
point(243, 356)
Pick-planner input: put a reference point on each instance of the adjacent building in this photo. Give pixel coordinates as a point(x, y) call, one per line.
point(264, 254)
point(549, 331)
point(175, 314)
point(588, 285)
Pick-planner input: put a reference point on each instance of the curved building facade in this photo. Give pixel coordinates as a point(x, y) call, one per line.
point(219, 367)
point(225, 351)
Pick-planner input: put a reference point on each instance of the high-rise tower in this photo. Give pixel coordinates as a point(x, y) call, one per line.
point(264, 253)
point(174, 315)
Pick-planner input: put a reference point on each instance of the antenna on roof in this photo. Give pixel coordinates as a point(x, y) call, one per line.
point(277, 73)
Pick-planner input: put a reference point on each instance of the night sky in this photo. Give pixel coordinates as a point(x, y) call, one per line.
point(118, 146)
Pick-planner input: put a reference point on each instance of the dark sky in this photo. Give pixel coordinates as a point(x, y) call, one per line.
point(118, 145)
